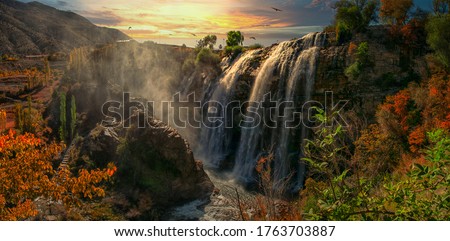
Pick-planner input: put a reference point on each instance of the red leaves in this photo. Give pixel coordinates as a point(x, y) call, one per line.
point(416, 139)
point(398, 105)
point(413, 112)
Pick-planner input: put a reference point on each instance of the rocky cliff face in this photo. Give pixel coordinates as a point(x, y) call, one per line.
point(34, 28)
point(384, 77)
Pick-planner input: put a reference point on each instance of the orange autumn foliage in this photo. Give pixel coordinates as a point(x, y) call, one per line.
point(32, 72)
point(397, 105)
point(27, 173)
point(417, 139)
point(419, 109)
point(352, 48)
point(3, 120)
point(395, 11)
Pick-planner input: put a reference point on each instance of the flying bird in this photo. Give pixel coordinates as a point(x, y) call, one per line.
point(253, 38)
point(277, 9)
point(129, 28)
point(193, 34)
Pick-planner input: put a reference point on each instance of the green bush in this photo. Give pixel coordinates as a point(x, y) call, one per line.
point(343, 33)
point(362, 54)
point(353, 71)
point(338, 192)
point(188, 65)
point(438, 29)
point(362, 61)
point(233, 51)
point(206, 56)
point(255, 46)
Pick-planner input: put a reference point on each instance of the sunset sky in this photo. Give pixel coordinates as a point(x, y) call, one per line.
point(177, 21)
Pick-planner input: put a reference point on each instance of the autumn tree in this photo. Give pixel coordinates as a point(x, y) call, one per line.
point(395, 12)
point(27, 173)
point(3, 120)
point(27, 119)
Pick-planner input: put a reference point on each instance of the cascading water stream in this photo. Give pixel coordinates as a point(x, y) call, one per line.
point(295, 63)
point(251, 133)
point(216, 139)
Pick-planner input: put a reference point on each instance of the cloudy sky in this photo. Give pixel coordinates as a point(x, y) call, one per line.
point(177, 21)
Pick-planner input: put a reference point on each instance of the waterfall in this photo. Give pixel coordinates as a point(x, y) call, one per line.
point(216, 139)
point(293, 64)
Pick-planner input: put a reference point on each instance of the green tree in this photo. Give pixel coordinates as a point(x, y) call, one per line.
point(356, 15)
point(235, 38)
point(207, 42)
point(73, 117)
point(62, 117)
point(438, 28)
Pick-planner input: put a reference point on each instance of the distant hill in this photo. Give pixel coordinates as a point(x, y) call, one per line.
point(35, 28)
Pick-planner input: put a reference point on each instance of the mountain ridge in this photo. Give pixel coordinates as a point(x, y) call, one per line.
point(35, 28)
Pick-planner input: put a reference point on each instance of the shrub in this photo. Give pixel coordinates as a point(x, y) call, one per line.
point(362, 61)
point(255, 46)
point(233, 51)
point(206, 56)
point(438, 29)
point(353, 71)
point(343, 33)
point(188, 65)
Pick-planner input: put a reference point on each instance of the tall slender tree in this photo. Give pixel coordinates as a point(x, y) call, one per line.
point(73, 117)
point(62, 117)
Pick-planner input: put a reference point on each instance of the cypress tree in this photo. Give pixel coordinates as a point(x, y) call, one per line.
point(62, 117)
point(73, 117)
point(19, 117)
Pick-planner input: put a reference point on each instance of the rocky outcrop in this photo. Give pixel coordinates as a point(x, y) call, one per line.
point(155, 164)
